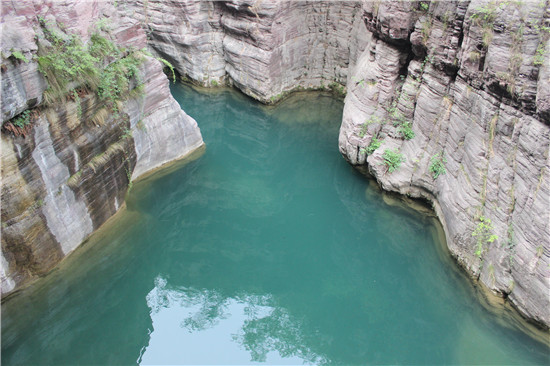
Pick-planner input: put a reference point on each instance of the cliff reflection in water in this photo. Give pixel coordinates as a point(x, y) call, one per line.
point(192, 321)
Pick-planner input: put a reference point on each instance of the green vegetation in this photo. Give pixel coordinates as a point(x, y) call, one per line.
point(393, 159)
point(426, 30)
point(404, 126)
point(424, 5)
point(20, 125)
point(487, 13)
point(19, 56)
point(76, 98)
point(364, 127)
point(539, 55)
point(171, 67)
point(405, 129)
point(22, 120)
point(374, 144)
point(484, 234)
point(100, 66)
point(510, 245)
point(485, 16)
point(338, 89)
point(437, 165)
point(474, 56)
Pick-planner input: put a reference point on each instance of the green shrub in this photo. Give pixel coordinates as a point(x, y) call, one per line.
point(170, 66)
point(393, 159)
point(22, 120)
point(100, 66)
point(67, 62)
point(539, 55)
point(484, 234)
point(437, 165)
point(115, 79)
point(424, 6)
point(365, 126)
point(406, 131)
point(19, 56)
point(374, 144)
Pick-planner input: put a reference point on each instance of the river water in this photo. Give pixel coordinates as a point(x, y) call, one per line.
point(267, 248)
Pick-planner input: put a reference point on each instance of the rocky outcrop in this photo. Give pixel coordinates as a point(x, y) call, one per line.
point(464, 76)
point(71, 169)
point(467, 79)
point(264, 48)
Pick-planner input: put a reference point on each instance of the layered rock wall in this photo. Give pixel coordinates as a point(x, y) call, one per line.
point(71, 170)
point(264, 48)
point(465, 76)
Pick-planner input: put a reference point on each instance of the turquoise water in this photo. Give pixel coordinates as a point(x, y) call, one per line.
point(268, 248)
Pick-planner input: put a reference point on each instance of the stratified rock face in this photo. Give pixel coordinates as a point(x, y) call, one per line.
point(71, 171)
point(265, 48)
point(467, 76)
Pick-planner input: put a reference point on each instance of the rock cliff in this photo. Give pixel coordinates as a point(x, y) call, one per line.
point(264, 48)
point(66, 166)
point(458, 89)
point(446, 100)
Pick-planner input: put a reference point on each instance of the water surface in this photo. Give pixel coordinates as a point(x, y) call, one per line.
point(268, 248)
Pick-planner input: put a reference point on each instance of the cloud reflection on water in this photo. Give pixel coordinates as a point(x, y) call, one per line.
point(192, 326)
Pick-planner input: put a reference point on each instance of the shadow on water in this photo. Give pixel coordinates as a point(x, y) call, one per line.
point(268, 248)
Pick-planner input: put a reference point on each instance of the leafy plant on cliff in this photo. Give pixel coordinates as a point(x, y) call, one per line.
point(374, 144)
point(405, 129)
point(483, 234)
point(437, 165)
point(538, 59)
point(66, 63)
point(424, 6)
point(21, 124)
point(18, 55)
point(510, 245)
point(116, 80)
point(485, 16)
point(99, 66)
point(166, 63)
point(169, 66)
point(392, 159)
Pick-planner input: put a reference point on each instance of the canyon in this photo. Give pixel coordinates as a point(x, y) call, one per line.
point(459, 83)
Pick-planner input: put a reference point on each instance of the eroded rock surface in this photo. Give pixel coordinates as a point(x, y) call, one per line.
point(464, 75)
point(71, 171)
point(264, 48)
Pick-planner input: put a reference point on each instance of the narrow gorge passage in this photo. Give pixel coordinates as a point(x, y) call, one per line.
point(267, 248)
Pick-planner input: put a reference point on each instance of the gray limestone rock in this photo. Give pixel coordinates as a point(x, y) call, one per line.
point(72, 170)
